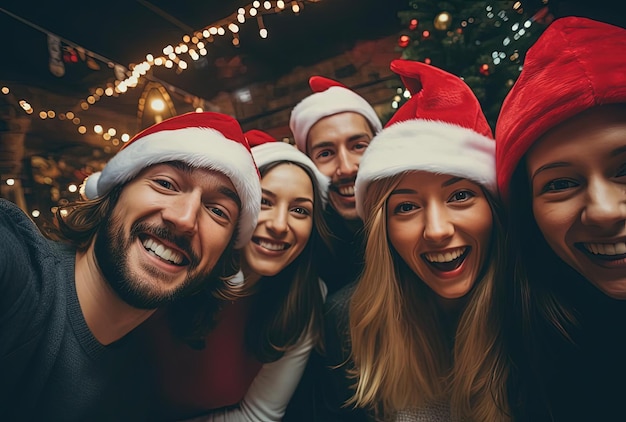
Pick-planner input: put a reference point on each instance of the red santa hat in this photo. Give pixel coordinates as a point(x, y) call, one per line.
point(266, 149)
point(576, 64)
point(329, 97)
point(208, 140)
point(441, 129)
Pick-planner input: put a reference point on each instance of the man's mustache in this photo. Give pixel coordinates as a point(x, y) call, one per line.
point(182, 242)
point(334, 186)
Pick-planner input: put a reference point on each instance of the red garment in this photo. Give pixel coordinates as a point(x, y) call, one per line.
point(191, 381)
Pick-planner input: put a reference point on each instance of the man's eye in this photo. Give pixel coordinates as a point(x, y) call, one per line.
point(217, 211)
point(166, 184)
point(323, 154)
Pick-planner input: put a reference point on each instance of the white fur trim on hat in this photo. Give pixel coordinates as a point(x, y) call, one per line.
point(430, 146)
point(281, 151)
point(198, 147)
point(332, 101)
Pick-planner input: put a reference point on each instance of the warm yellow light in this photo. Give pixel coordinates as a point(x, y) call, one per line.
point(112, 131)
point(82, 130)
point(25, 105)
point(157, 104)
point(35, 213)
point(125, 137)
point(10, 182)
point(72, 188)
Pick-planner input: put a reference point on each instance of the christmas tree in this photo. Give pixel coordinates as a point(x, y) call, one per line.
point(483, 42)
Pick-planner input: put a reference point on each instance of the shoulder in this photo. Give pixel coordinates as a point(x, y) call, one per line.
point(337, 306)
point(19, 233)
point(341, 298)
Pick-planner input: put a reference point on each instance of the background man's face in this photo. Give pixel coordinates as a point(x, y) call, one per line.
point(336, 144)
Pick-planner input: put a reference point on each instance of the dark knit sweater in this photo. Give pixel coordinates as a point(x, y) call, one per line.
point(52, 367)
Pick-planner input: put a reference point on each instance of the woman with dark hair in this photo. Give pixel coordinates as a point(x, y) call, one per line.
point(245, 365)
point(561, 162)
point(420, 327)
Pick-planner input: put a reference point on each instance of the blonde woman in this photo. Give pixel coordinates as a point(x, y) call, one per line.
point(422, 321)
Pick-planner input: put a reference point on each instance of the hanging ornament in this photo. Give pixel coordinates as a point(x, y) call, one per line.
point(413, 24)
point(426, 34)
point(403, 41)
point(442, 21)
point(484, 69)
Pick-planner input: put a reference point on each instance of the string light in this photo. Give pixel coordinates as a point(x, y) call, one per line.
point(192, 46)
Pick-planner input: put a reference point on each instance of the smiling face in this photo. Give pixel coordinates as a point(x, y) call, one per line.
point(285, 221)
point(336, 144)
point(167, 231)
point(577, 174)
point(440, 225)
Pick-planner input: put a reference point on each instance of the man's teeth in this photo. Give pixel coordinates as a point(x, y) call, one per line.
point(346, 190)
point(606, 248)
point(273, 246)
point(162, 251)
point(445, 257)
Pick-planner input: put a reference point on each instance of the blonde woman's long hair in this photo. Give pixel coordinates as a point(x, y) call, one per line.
point(404, 351)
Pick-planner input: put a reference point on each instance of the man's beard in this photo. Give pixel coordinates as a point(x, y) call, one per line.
point(111, 249)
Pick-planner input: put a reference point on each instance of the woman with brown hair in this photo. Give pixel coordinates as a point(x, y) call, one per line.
point(561, 162)
point(421, 325)
point(245, 364)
